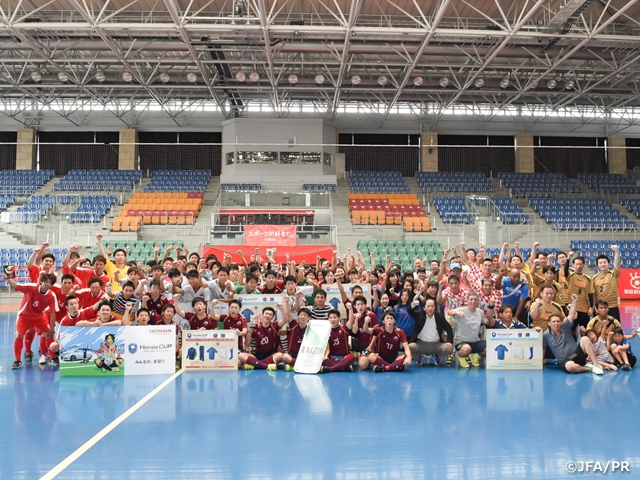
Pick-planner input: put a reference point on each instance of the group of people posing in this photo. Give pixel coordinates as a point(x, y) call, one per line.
point(431, 315)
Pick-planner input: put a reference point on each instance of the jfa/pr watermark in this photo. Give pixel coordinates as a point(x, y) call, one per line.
point(598, 467)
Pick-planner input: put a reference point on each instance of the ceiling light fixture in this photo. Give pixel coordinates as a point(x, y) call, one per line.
point(126, 76)
point(254, 76)
point(569, 84)
point(417, 81)
point(355, 79)
point(164, 77)
point(35, 76)
point(504, 83)
point(192, 77)
point(241, 76)
point(551, 84)
point(293, 79)
point(319, 79)
point(479, 83)
point(62, 77)
point(382, 80)
point(444, 81)
point(99, 76)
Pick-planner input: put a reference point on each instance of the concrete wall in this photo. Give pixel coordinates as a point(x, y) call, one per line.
point(617, 154)
point(525, 160)
point(429, 151)
point(128, 154)
point(26, 149)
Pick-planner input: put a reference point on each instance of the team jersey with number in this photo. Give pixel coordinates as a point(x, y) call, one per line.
point(605, 287)
point(388, 344)
point(364, 339)
point(339, 341)
point(545, 312)
point(580, 284)
point(267, 338)
point(35, 303)
point(234, 323)
point(155, 306)
point(294, 340)
point(196, 323)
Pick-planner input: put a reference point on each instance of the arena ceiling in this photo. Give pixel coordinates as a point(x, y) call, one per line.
point(66, 55)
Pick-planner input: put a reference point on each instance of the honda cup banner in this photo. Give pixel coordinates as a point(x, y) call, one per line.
point(335, 299)
point(117, 351)
point(270, 235)
point(629, 283)
point(516, 349)
point(209, 350)
point(314, 344)
point(252, 306)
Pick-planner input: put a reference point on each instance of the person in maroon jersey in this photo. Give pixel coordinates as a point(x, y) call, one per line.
point(337, 356)
point(143, 317)
point(360, 326)
point(271, 286)
point(234, 321)
point(386, 344)
point(89, 296)
point(37, 301)
point(267, 343)
point(200, 319)
point(76, 317)
point(154, 301)
point(294, 339)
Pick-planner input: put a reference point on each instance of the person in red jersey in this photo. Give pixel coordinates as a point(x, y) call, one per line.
point(61, 292)
point(271, 286)
point(77, 317)
point(386, 344)
point(83, 275)
point(37, 310)
point(360, 326)
point(234, 321)
point(48, 263)
point(267, 343)
point(294, 339)
point(154, 300)
point(89, 296)
point(337, 356)
point(199, 319)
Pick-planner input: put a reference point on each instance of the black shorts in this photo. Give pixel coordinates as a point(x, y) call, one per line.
point(262, 355)
point(356, 346)
point(476, 347)
point(632, 359)
point(388, 358)
point(583, 319)
point(578, 357)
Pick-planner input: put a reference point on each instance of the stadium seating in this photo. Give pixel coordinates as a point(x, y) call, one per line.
point(319, 187)
point(377, 182)
point(98, 180)
point(139, 250)
point(23, 182)
point(590, 249)
point(36, 208)
point(437, 182)
point(452, 210)
point(510, 212)
point(403, 253)
point(537, 184)
point(240, 187)
point(6, 201)
point(179, 181)
point(581, 214)
point(632, 204)
point(609, 183)
point(92, 208)
point(153, 208)
point(387, 209)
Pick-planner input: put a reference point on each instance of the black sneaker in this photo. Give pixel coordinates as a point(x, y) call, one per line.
point(378, 369)
point(325, 369)
point(16, 365)
point(28, 357)
point(401, 368)
point(625, 367)
point(55, 361)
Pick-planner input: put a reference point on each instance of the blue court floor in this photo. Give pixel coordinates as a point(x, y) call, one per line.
point(431, 423)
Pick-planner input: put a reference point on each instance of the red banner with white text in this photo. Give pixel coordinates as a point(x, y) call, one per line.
point(270, 235)
point(629, 283)
point(300, 253)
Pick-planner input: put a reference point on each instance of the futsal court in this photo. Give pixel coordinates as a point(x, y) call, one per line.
point(429, 422)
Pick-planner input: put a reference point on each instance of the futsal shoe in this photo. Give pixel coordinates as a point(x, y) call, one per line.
point(475, 359)
point(325, 369)
point(248, 367)
point(451, 359)
point(597, 369)
point(379, 369)
point(16, 365)
point(28, 357)
point(55, 361)
point(288, 368)
point(43, 360)
point(272, 367)
point(464, 362)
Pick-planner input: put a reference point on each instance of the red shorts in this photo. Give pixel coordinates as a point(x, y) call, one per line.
point(39, 324)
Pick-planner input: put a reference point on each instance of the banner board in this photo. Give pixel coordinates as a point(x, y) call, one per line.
point(209, 350)
point(117, 351)
point(335, 299)
point(314, 343)
point(270, 235)
point(514, 349)
point(629, 284)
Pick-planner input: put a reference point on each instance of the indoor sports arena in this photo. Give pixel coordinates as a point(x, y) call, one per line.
point(251, 239)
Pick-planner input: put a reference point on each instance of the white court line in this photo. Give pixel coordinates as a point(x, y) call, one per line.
point(58, 469)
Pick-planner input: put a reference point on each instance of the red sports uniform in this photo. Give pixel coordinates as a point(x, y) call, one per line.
point(363, 338)
point(85, 314)
point(267, 339)
point(62, 302)
point(35, 271)
point(33, 308)
point(339, 341)
point(155, 307)
point(195, 323)
point(294, 339)
point(387, 344)
point(234, 323)
point(83, 275)
point(277, 288)
point(85, 299)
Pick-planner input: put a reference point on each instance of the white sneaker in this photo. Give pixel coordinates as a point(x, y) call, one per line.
point(43, 360)
point(597, 369)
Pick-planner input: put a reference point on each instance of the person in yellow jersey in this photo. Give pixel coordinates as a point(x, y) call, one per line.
point(602, 320)
point(605, 282)
point(580, 284)
point(120, 265)
point(548, 278)
point(544, 307)
point(563, 259)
